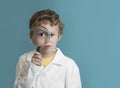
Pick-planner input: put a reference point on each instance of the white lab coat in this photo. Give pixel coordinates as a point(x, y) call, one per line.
point(62, 72)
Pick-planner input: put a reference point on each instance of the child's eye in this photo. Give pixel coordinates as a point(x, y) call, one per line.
point(52, 34)
point(41, 34)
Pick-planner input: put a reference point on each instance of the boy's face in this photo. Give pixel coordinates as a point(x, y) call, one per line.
point(54, 38)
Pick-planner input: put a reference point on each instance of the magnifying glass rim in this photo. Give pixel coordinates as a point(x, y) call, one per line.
point(46, 31)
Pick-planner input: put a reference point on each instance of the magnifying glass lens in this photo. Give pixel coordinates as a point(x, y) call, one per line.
point(42, 34)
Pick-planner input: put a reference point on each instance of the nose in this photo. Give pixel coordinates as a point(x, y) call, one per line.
point(48, 39)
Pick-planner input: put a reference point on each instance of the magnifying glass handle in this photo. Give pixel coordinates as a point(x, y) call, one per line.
point(38, 49)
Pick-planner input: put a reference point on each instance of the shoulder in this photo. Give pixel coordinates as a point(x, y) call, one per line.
point(27, 56)
point(65, 60)
point(69, 61)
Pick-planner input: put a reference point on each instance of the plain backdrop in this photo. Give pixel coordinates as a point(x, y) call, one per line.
point(91, 37)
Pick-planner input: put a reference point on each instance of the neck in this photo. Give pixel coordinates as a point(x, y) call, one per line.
point(47, 53)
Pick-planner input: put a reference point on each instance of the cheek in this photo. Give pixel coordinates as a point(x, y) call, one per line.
point(54, 42)
point(55, 39)
point(35, 40)
point(40, 42)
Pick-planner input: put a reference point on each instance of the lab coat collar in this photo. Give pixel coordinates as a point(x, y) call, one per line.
point(58, 59)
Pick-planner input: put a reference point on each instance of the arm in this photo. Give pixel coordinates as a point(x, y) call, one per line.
point(26, 73)
point(73, 78)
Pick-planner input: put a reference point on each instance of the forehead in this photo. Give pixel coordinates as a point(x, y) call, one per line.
point(50, 28)
point(39, 29)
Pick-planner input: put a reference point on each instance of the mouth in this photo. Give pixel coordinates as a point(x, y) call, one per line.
point(47, 46)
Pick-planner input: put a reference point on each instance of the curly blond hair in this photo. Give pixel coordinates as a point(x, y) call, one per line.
point(44, 17)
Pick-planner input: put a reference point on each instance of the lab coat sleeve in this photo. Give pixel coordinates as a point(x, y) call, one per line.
point(26, 73)
point(74, 80)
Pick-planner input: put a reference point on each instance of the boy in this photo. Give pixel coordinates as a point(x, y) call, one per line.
point(47, 67)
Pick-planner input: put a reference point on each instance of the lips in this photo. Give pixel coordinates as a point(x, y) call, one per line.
point(47, 46)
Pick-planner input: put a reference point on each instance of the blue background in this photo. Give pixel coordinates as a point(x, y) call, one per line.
point(91, 37)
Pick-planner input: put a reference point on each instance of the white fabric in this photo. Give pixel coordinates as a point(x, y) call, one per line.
point(62, 72)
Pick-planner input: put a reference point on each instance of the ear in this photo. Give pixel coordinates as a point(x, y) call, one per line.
point(31, 37)
point(59, 37)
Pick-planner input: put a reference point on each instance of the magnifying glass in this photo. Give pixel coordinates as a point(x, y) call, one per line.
point(43, 34)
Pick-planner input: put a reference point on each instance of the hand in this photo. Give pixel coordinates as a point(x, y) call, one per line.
point(37, 59)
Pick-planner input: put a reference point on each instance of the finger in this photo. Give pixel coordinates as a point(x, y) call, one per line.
point(37, 56)
point(36, 61)
point(37, 53)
